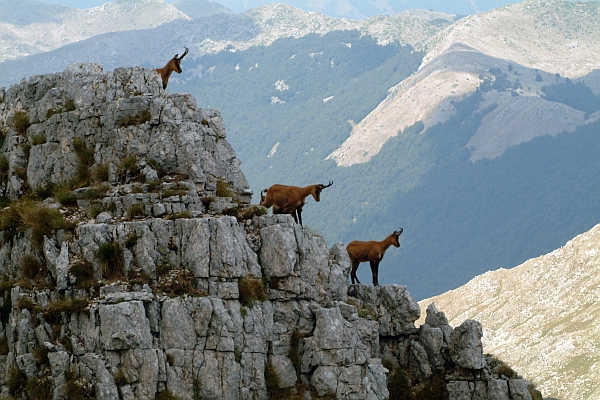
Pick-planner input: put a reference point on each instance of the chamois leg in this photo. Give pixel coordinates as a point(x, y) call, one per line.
point(299, 211)
point(353, 276)
point(375, 271)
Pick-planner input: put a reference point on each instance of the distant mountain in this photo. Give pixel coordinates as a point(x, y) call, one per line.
point(502, 170)
point(257, 27)
point(528, 45)
point(30, 27)
point(200, 8)
point(540, 317)
point(361, 9)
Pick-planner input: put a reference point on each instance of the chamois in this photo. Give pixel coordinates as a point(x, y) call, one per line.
point(371, 251)
point(174, 64)
point(290, 199)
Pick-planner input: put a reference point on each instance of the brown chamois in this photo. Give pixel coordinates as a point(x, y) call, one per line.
point(290, 199)
point(174, 64)
point(371, 251)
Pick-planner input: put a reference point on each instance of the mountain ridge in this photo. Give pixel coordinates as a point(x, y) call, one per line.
point(549, 305)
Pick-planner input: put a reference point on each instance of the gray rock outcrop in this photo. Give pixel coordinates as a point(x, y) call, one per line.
point(161, 277)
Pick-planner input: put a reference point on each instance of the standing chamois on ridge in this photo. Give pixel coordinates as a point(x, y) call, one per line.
point(371, 251)
point(174, 64)
point(290, 199)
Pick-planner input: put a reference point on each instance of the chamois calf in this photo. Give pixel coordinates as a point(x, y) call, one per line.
point(290, 199)
point(174, 64)
point(371, 251)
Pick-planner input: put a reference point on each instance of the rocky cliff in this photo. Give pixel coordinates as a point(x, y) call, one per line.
point(134, 267)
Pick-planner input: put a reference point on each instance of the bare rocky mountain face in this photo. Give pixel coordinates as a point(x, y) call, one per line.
point(55, 26)
point(540, 317)
point(530, 41)
point(133, 267)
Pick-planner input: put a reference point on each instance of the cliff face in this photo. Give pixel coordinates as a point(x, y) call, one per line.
point(133, 267)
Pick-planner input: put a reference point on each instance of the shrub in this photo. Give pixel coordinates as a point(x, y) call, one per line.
point(399, 383)
point(38, 139)
point(95, 193)
point(4, 167)
point(110, 256)
point(4, 349)
point(65, 197)
point(28, 214)
point(53, 311)
point(101, 173)
point(180, 284)
point(25, 302)
point(131, 240)
point(251, 289)
point(77, 389)
point(434, 389)
point(128, 166)
point(223, 189)
point(85, 156)
point(136, 210)
point(21, 122)
point(16, 382)
point(40, 353)
point(83, 271)
point(160, 170)
point(39, 388)
point(139, 119)
point(166, 395)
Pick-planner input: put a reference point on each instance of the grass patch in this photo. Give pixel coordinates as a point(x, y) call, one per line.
point(223, 189)
point(32, 268)
point(16, 382)
point(160, 170)
point(251, 289)
point(128, 168)
point(39, 388)
point(180, 284)
point(139, 119)
point(85, 156)
point(38, 139)
point(101, 173)
point(66, 197)
point(110, 256)
point(54, 310)
point(4, 167)
point(77, 388)
point(136, 210)
point(70, 105)
point(167, 395)
point(21, 122)
point(28, 214)
point(4, 349)
point(83, 271)
point(363, 311)
point(182, 214)
point(40, 353)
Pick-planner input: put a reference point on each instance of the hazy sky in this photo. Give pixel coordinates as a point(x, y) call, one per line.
point(355, 9)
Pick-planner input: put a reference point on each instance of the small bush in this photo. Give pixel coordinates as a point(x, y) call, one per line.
point(77, 389)
point(95, 193)
point(32, 268)
point(139, 119)
point(70, 105)
point(131, 240)
point(40, 353)
point(39, 388)
point(65, 197)
point(180, 284)
point(53, 111)
point(136, 210)
point(251, 289)
point(28, 214)
point(160, 170)
point(38, 139)
point(120, 379)
point(4, 349)
point(182, 214)
point(223, 189)
point(434, 389)
point(83, 271)
point(21, 173)
point(21, 122)
point(85, 156)
point(25, 302)
point(237, 353)
point(53, 311)
point(127, 167)
point(166, 395)
point(101, 173)
point(16, 382)
point(4, 167)
point(110, 256)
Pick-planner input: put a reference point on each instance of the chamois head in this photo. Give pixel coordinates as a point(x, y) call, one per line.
point(262, 197)
point(316, 192)
point(174, 64)
point(395, 236)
